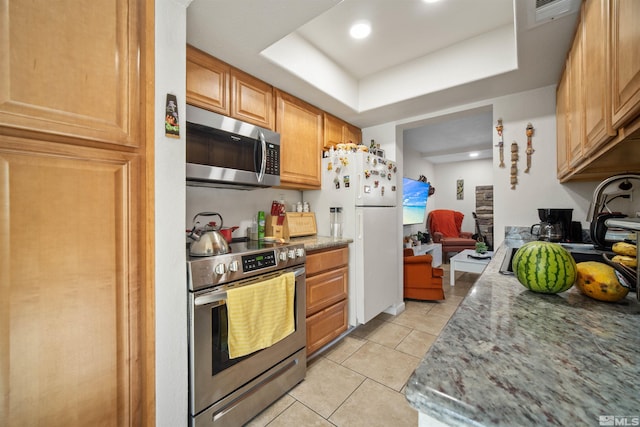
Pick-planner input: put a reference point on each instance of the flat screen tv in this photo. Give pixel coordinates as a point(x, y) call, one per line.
point(414, 201)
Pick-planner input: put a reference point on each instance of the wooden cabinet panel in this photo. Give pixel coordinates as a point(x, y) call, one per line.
point(326, 288)
point(71, 286)
point(352, 134)
point(252, 100)
point(319, 261)
point(625, 60)
point(332, 131)
point(597, 96)
point(77, 76)
point(575, 105)
point(325, 326)
point(301, 136)
point(337, 131)
point(207, 82)
point(562, 125)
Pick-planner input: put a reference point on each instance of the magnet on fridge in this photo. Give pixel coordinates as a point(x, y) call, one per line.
point(346, 181)
point(376, 183)
point(389, 176)
point(367, 173)
point(367, 189)
point(336, 182)
point(382, 190)
point(329, 166)
point(393, 188)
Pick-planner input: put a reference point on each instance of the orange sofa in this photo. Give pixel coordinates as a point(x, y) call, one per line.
point(421, 280)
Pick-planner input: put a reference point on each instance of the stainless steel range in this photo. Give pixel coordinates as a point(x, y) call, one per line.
point(230, 391)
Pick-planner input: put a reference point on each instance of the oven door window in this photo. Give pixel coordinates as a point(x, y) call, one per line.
point(212, 147)
point(220, 347)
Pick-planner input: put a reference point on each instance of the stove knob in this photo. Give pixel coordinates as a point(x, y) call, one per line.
point(300, 252)
point(220, 269)
point(292, 254)
point(233, 266)
point(283, 256)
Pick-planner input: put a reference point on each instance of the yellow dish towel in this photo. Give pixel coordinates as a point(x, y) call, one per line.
point(260, 314)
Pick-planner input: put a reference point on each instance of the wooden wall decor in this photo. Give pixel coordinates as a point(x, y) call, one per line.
point(500, 145)
point(530, 150)
point(514, 165)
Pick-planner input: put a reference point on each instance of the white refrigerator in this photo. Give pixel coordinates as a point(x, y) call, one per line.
point(365, 187)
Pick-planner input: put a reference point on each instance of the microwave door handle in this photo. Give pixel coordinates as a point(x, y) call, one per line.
point(263, 160)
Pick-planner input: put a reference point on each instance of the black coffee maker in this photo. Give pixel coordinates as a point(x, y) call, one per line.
point(555, 225)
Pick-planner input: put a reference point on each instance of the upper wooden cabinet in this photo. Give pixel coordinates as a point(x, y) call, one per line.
point(625, 60)
point(596, 96)
point(562, 126)
point(301, 138)
point(252, 100)
point(86, 87)
point(598, 100)
point(207, 82)
point(219, 87)
point(337, 131)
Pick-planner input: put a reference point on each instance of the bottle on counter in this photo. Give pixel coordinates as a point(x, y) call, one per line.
point(261, 225)
point(335, 222)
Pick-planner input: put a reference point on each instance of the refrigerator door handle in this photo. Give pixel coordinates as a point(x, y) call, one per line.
point(359, 225)
point(359, 187)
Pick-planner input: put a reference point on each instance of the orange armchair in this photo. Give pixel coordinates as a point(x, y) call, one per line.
point(421, 281)
point(445, 228)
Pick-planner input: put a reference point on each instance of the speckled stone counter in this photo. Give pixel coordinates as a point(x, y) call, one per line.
point(511, 357)
point(315, 243)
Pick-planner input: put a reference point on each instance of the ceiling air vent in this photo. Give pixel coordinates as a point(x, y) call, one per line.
point(548, 10)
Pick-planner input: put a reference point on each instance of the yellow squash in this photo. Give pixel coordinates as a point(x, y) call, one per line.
point(599, 281)
point(624, 248)
point(629, 261)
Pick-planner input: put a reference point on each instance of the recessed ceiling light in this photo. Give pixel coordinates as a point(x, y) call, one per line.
point(431, 1)
point(360, 30)
point(474, 154)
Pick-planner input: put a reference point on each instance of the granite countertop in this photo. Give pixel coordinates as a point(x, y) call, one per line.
point(509, 356)
point(314, 243)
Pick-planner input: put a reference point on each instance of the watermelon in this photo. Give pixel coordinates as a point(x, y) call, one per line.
point(544, 267)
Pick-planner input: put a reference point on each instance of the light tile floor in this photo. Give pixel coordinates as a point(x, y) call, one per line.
point(360, 381)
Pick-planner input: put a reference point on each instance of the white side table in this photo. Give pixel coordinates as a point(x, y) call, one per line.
point(433, 249)
point(462, 262)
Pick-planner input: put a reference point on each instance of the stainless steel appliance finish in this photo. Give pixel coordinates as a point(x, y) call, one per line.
point(229, 392)
point(227, 153)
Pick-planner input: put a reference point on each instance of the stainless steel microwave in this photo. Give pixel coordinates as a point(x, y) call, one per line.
point(227, 153)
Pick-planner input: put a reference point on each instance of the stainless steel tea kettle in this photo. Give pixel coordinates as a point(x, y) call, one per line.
point(207, 241)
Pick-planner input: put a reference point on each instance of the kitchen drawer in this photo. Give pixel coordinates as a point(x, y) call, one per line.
point(326, 288)
point(320, 261)
point(325, 326)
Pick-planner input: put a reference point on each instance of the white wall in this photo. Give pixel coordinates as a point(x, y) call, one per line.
point(170, 269)
point(474, 173)
point(539, 188)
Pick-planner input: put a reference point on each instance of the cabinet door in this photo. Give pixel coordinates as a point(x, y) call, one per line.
point(300, 127)
point(71, 291)
point(72, 69)
point(575, 105)
point(332, 131)
point(562, 125)
point(207, 82)
point(326, 289)
point(597, 97)
point(325, 326)
point(251, 100)
point(625, 60)
point(352, 133)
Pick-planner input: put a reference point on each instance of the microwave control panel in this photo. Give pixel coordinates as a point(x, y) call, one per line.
point(273, 159)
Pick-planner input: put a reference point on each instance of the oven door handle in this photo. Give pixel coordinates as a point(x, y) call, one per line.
point(220, 297)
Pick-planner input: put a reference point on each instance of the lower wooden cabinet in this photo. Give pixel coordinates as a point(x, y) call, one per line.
point(327, 294)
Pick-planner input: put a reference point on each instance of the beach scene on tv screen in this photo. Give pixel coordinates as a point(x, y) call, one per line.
point(414, 201)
